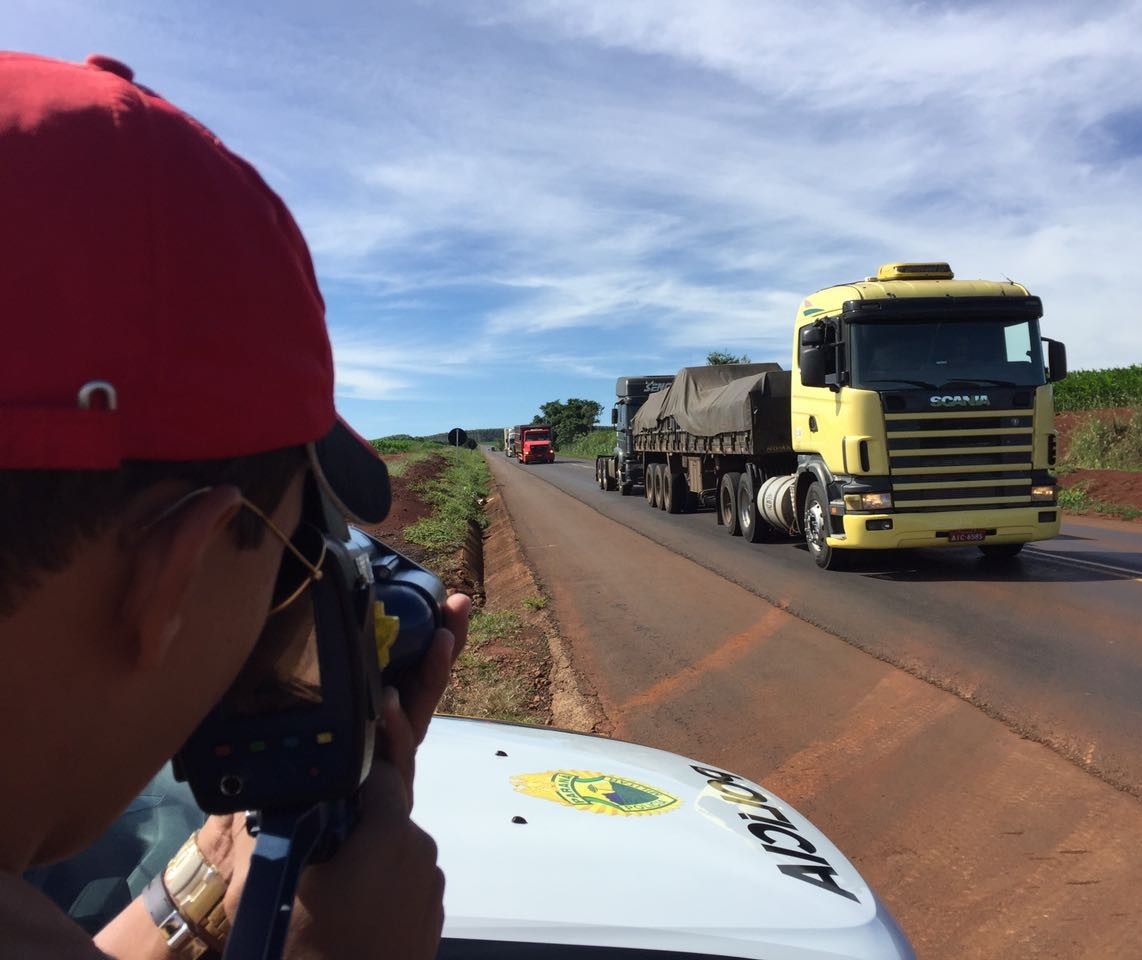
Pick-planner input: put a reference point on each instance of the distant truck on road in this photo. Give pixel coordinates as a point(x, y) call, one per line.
point(918, 413)
point(511, 434)
point(533, 444)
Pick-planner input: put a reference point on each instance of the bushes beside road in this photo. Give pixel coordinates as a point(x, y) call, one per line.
point(1100, 389)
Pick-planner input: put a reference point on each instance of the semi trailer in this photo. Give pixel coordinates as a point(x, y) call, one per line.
point(918, 413)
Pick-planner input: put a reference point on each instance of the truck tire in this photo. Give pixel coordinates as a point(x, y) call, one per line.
point(661, 479)
point(1001, 552)
point(598, 473)
point(753, 527)
point(674, 492)
point(728, 503)
point(608, 474)
point(625, 488)
point(648, 483)
point(815, 524)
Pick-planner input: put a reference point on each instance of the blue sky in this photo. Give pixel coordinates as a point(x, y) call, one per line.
point(518, 201)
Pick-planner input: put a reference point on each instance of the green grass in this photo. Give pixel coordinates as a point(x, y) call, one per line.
point(456, 496)
point(1110, 443)
point(594, 444)
point(487, 625)
point(482, 689)
point(535, 603)
point(1077, 500)
point(398, 468)
point(1098, 389)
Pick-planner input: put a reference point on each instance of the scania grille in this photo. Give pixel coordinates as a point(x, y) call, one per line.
point(949, 461)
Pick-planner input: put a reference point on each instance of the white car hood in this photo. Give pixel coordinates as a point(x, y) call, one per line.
point(558, 837)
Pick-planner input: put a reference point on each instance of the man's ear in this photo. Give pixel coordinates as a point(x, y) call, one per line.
point(166, 559)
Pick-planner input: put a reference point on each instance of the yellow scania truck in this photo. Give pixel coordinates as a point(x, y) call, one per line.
point(918, 413)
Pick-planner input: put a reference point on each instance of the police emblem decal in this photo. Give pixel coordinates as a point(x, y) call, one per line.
point(597, 792)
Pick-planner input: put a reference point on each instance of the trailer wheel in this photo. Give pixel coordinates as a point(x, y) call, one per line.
point(648, 483)
point(754, 528)
point(728, 503)
point(674, 489)
point(661, 480)
point(815, 523)
point(1001, 552)
point(609, 475)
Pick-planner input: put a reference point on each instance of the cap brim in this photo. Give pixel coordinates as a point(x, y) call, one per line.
point(351, 474)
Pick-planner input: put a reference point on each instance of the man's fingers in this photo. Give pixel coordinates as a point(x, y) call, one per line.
point(397, 740)
point(421, 691)
point(457, 610)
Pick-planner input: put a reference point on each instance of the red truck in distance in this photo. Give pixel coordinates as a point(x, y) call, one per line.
point(533, 445)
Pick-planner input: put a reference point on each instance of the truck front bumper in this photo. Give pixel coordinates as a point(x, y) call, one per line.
point(891, 531)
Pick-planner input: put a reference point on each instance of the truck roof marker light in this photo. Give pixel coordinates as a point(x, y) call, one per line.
point(915, 271)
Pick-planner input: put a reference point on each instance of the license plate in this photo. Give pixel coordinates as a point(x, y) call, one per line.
point(966, 536)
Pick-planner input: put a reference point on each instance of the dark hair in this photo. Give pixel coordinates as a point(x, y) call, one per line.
point(44, 514)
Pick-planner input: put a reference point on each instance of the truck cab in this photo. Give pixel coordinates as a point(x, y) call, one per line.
point(922, 414)
point(534, 444)
point(625, 466)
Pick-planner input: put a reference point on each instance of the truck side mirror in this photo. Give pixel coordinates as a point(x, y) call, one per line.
point(1056, 360)
point(614, 415)
point(813, 366)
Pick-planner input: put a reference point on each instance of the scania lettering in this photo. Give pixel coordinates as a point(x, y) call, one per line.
point(918, 412)
point(979, 400)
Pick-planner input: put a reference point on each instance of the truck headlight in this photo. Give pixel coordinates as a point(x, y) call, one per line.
point(868, 501)
point(1043, 494)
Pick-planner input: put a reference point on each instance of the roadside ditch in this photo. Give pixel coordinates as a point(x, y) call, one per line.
point(516, 666)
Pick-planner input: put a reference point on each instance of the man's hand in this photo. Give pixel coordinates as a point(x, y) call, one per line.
point(405, 715)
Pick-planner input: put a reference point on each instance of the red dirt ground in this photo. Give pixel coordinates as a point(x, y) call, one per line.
point(1119, 487)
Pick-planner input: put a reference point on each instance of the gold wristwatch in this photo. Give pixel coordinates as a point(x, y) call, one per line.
point(185, 902)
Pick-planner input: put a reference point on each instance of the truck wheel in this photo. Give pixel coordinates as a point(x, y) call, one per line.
point(728, 503)
point(661, 479)
point(599, 473)
point(815, 523)
point(608, 475)
point(754, 528)
point(674, 490)
point(1000, 552)
point(624, 489)
point(648, 483)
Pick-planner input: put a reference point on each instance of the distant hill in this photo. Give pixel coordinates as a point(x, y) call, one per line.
point(479, 434)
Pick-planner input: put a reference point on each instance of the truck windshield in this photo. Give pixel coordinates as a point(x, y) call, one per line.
point(538, 434)
point(935, 354)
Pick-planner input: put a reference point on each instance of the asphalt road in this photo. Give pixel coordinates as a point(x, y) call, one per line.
point(969, 734)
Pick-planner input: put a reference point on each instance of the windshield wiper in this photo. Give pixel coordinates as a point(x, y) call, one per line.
point(915, 383)
point(994, 383)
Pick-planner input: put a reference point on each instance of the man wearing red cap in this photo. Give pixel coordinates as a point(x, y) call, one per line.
point(166, 394)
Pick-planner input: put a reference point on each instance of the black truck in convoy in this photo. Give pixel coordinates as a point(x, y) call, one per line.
point(622, 470)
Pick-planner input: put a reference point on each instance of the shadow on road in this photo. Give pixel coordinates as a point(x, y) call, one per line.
point(930, 566)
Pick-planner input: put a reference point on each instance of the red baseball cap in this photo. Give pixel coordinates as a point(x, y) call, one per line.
point(158, 299)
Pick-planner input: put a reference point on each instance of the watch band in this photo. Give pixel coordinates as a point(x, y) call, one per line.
point(185, 902)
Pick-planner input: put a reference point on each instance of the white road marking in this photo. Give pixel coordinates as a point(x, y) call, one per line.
point(1093, 564)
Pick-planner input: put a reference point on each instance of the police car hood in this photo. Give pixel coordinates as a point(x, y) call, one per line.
point(555, 837)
